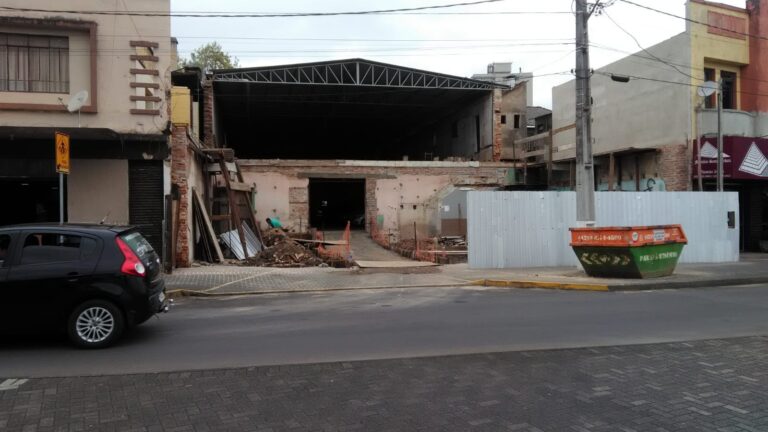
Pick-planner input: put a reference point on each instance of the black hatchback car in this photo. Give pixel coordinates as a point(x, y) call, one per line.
point(92, 280)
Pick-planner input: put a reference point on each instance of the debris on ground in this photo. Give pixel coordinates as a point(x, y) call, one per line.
point(453, 241)
point(282, 251)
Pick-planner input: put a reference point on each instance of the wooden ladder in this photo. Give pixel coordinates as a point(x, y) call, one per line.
point(238, 194)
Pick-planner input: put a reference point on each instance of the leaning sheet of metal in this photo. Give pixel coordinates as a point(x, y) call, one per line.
point(232, 240)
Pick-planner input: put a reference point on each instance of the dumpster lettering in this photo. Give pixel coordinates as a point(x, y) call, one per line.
point(600, 237)
point(593, 258)
point(658, 256)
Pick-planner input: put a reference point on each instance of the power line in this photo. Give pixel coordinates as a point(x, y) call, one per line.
point(271, 15)
point(691, 20)
point(659, 80)
point(637, 42)
point(666, 61)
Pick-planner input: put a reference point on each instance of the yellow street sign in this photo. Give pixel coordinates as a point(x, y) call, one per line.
point(62, 153)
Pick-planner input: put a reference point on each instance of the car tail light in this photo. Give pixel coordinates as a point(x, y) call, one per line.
point(131, 264)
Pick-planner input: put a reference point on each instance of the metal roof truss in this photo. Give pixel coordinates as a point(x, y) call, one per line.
point(351, 73)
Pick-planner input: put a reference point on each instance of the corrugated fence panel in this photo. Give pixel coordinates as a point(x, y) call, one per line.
point(530, 229)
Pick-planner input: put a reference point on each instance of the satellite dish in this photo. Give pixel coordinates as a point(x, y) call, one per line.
point(708, 88)
point(77, 101)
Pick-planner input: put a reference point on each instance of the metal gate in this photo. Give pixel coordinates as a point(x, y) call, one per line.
point(145, 203)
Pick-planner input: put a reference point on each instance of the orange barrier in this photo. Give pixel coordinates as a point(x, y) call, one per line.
point(336, 252)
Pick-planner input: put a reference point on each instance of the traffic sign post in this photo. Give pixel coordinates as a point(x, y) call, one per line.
point(62, 167)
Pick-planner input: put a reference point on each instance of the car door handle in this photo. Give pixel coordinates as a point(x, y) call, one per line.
point(73, 276)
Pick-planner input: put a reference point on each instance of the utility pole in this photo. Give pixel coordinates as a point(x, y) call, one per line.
point(720, 185)
point(585, 176)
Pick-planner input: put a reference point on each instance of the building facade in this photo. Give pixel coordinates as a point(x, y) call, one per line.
point(648, 132)
point(120, 66)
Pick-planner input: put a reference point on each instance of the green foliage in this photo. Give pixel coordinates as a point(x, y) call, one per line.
point(209, 57)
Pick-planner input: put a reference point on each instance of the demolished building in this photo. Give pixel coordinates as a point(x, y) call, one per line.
point(322, 144)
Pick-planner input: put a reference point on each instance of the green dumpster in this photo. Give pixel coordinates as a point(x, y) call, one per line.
point(629, 252)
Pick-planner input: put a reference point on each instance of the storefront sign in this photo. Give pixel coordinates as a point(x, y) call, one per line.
point(743, 158)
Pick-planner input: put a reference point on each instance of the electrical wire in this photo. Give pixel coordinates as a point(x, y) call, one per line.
point(609, 75)
point(637, 42)
point(640, 56)
point(269, 15)
point(691, 20)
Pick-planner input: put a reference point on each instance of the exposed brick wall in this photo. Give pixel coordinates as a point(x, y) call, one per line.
point(298, 207)
point(180, 163)
point(497, 128)
point(488, 174)
point(208, 137)
point(484, 174)
point(370, 202)
point(674, 167)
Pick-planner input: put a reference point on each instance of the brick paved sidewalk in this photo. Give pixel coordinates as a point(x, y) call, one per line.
point(221, 279)
point(236, 279)
point(719, 385)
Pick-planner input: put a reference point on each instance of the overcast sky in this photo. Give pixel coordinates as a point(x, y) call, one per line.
point(459, 41)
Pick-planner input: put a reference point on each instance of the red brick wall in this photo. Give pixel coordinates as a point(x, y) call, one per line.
point(497, 128)
point(370, 202)
point(180, 164)
point(208, 137)
point(674, 167)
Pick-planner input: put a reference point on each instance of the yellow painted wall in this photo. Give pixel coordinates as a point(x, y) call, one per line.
point(181, 105)
point(714, 51)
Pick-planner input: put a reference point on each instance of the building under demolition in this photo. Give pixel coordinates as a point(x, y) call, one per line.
point(324, 144)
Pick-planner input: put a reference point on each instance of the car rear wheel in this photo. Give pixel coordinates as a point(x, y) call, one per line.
point(95, 324)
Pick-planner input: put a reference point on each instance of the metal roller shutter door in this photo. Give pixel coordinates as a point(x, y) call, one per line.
point(145, 179)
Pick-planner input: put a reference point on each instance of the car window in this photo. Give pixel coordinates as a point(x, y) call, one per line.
point(5, 245)
point(40, 248)
point(139, 245)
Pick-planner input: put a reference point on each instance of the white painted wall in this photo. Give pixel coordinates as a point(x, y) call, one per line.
point(113, 65)
point(639, 114)
point(530, 229)
point(97, 188)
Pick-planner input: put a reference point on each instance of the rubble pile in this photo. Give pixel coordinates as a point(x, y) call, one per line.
point(282, 251)
point(451, 242)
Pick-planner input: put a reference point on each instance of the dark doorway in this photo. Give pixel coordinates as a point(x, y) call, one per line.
point(29, 200)
point(334, 202)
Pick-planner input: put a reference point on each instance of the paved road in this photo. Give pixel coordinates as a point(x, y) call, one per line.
point(703, 386)
point(359, 325)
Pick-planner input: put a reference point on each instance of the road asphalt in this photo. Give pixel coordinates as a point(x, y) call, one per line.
point(303, 328)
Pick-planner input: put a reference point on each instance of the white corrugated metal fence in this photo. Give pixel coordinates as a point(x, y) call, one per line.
point(530, 229)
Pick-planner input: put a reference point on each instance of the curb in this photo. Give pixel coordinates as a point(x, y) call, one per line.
point(501, 283)
point(540, 284)
point(647, 286)
point(181, 292)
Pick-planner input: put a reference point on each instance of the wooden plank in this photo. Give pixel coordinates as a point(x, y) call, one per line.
point(234, 207)
point(150, 58)
point(208, 225)
point(153, 72)
point(135, 98)
point(145, 85)
point(240, 187)
point(248, 201)
point(145, 44)
point(325, 242)
point(215, 167)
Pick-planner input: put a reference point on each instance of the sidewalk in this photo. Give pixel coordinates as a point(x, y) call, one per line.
point(236, 280)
